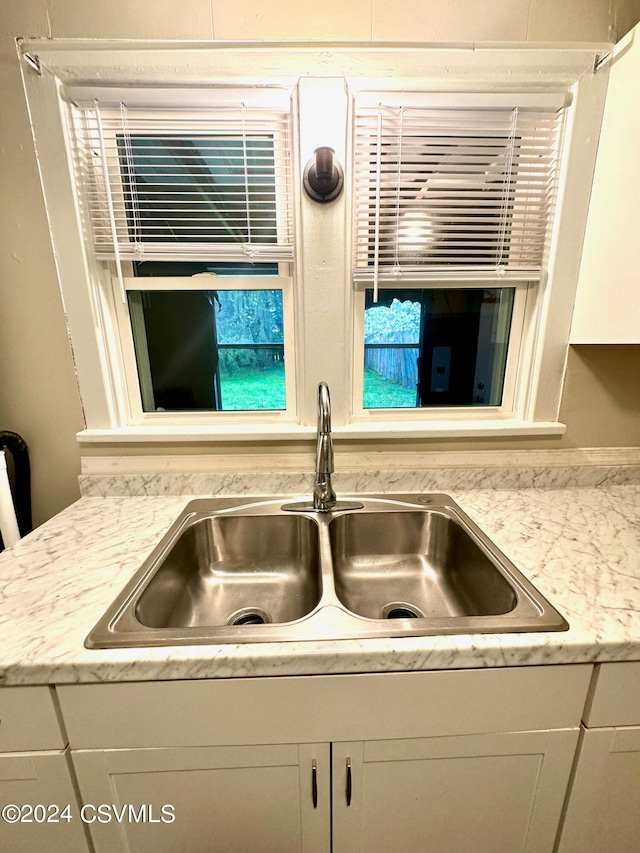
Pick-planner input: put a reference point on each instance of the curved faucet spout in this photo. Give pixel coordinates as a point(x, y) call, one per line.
point(324, 496)
point(324, 409)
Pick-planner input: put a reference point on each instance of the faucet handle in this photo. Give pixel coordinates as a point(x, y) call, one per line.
point(324, 455)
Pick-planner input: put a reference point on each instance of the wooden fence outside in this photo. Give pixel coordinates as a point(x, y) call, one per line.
point(396, 360)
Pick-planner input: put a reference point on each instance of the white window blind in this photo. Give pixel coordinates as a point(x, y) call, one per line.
point(176, 181)
point(453, 191)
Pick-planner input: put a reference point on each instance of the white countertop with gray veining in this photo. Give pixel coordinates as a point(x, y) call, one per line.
point(579, 546)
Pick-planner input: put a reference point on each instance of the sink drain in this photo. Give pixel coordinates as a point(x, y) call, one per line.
point(249, 616)
point(401, 610)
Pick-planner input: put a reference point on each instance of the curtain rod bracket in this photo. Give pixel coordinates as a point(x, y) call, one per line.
point(600, 60)
point(33, 61)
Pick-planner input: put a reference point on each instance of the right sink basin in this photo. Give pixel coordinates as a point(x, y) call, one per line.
point(415, 564)
point(409, 565)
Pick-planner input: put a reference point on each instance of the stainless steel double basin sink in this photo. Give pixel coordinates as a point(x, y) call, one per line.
point(245, 571)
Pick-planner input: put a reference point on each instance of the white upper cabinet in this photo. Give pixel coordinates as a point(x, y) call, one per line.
point(607, 308)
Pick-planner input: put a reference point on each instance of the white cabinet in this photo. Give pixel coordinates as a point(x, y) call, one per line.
point(603, 813)
point(28, 720)
point(35, 771)
point(459, 760)
point(29, 779)
point(607, 306)
point(499, 793)
point(604, 807)
point(194, 799)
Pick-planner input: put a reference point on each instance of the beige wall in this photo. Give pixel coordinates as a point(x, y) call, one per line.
point(38, 392)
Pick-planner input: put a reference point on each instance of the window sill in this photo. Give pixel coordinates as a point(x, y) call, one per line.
point(295, 432)
point(448, 429)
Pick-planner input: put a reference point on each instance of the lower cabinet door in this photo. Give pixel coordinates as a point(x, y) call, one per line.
point(603, 814)
point(498, 793)
point(237, 799)
point(37, 787)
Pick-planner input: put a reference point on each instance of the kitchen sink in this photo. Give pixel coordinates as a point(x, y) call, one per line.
point(245, 570)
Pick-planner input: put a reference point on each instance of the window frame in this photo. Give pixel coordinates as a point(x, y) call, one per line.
point(137, 417)
point(516, 372)
point(528, 285)
point(323, 294)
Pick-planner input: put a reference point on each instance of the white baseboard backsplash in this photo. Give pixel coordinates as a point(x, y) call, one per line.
point(269, 474)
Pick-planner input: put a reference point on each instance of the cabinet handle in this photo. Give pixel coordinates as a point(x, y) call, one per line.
point(348, 791)
point(314, 783)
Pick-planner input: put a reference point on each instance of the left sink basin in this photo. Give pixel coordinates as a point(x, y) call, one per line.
point(235, 570)
point(234, 577)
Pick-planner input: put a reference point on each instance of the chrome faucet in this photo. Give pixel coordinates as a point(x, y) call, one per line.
point(324, 496)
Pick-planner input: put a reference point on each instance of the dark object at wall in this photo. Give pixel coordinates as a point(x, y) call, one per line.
point(323, 178)
point(15, 445)
point(180, 337)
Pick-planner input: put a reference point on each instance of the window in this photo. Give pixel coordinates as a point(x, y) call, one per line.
point(452, 210)
point(192, 207)
point(436, 347)
point(434, 297)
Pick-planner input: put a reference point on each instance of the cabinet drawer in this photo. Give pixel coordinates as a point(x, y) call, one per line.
point(316, 709)
point(28, 720)
point(616, 696)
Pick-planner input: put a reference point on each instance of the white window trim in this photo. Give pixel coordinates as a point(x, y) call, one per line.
point(324, 296)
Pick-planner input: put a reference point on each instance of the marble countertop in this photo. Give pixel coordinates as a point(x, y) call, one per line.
point(579, 546)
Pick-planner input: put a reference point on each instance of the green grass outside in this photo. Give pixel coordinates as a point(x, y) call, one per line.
point(381, 393)
point(250, 389)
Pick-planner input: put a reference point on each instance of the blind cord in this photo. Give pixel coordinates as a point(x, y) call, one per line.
point(246, 176)
point(112, 218)
point(506, 191)
point(376, 246)
point(133, 187)
point(398, 269)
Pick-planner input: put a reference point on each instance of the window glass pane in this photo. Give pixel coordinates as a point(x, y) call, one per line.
point(251, 345)
point(436, 347)
point(209, 350)
point(391, 348)
point(200, 189)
